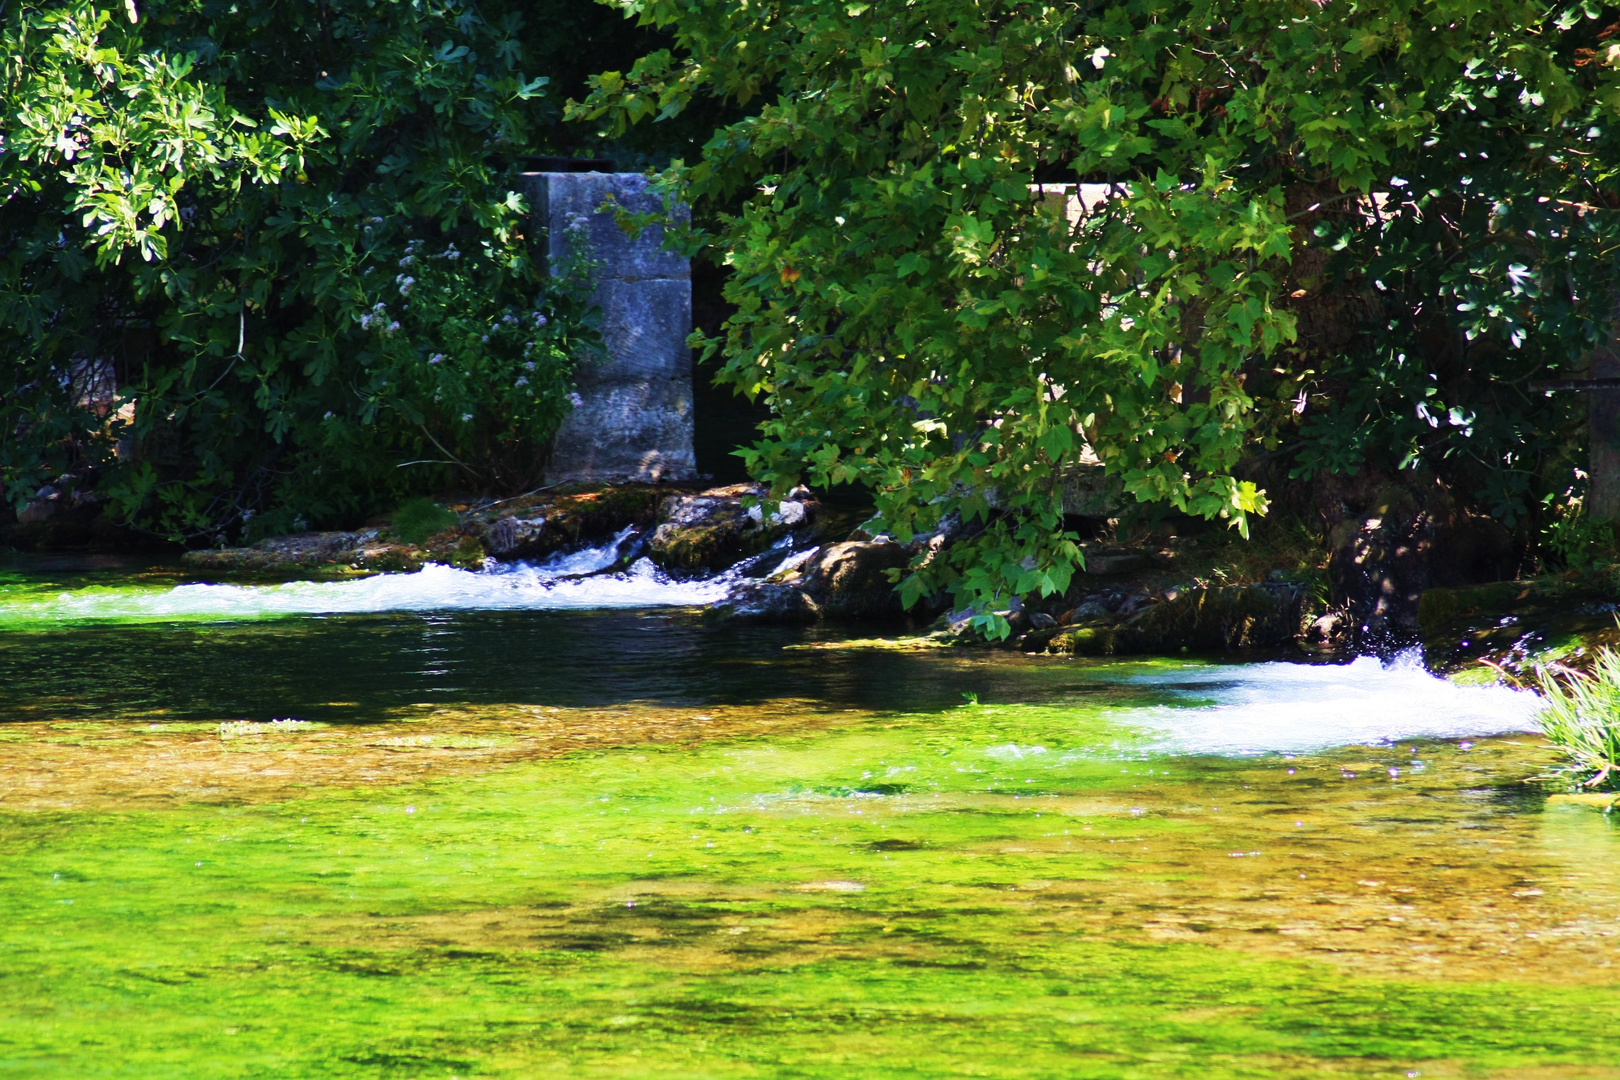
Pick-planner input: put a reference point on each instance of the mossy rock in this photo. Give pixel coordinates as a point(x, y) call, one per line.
point(1477, 675)
point(1086, 641)
point(1519, 624)
point(466, 554)
point(541, 527)
point(392, 560)
point(851, 580)
point(1198, 620)
point(1439, 607)
point(711, 547)
point(714, 529)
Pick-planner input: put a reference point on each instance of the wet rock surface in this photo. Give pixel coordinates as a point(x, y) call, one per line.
point(849, 580)
point(1152, 596)
point(714, 529)
point(544, 524)
point(531, 527)
point(1391, 539)
point(1515, 625)
point(1222, 618)
point(335, 554)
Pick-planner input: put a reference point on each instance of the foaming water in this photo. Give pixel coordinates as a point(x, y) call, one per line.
point(568, 582)
point(1298, 708)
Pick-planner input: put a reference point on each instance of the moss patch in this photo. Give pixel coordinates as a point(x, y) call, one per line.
point(418, 519)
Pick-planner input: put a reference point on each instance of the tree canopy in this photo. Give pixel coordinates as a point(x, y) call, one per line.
point(280, 245)
point(1344, 234)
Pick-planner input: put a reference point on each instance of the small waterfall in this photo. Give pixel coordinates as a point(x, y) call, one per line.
point(578, 580)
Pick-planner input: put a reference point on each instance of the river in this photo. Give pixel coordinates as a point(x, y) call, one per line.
point(530, 823)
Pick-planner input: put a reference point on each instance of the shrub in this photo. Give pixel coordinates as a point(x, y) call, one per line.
point(280, 249)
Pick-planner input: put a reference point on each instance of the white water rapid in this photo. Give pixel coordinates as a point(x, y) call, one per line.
point(571, 581)
point(1297, 708)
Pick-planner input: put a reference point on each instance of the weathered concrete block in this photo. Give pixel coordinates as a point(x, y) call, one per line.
point(635, 420)
point(644, 326)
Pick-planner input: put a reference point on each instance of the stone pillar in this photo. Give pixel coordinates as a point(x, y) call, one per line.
point(635, 420)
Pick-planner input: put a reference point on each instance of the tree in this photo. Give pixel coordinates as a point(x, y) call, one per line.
point(289, 235)
point(1344, 232)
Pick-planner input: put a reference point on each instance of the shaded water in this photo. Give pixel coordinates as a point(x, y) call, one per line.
point(622, 843)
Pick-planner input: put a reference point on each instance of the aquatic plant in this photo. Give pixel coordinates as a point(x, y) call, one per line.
point(1582, 717)
point(231, 729)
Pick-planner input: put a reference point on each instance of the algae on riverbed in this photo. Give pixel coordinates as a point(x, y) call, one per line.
point(520, 843)
point(987, 891)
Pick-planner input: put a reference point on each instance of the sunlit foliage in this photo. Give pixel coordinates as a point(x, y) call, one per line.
point(1341, 235)
point(276, 254)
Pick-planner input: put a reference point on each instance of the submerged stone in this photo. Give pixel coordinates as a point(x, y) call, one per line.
point(1596, 800)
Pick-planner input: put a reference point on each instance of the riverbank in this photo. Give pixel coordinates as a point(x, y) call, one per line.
point(1142, 591)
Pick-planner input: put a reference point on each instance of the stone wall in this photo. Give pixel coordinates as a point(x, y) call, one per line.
point(635, 417)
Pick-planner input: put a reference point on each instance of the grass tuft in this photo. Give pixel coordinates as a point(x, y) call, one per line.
point(1582, 718)
point(418, 519)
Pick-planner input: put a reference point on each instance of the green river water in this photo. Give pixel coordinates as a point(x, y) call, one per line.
point(512, 842)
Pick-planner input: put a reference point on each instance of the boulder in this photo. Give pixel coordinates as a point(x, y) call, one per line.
point(714, 529)
point(1087, 491)
point(851, 580)
point(1392, 538)
point(42, 507)
point(1114, 561)
point(534, 527)
point(1518, 624)
point(335, 554)
point(1196, 620)
point(512, 536)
